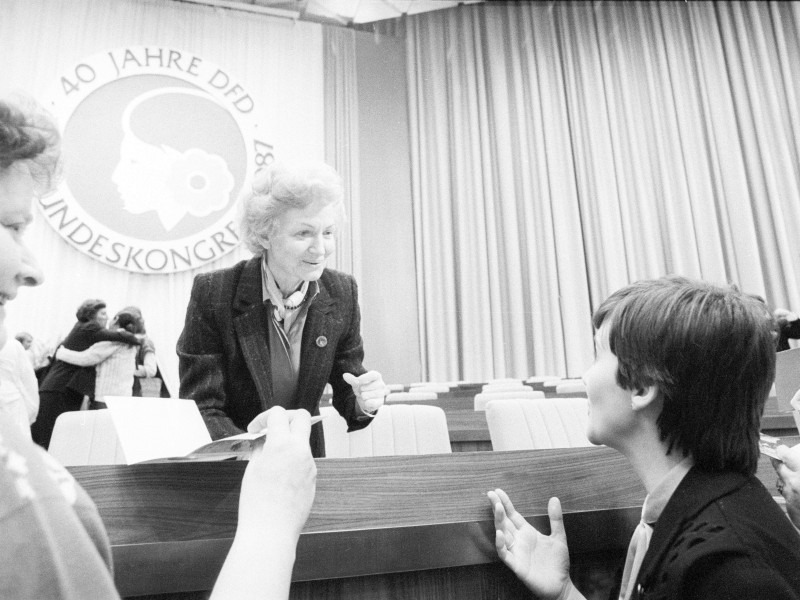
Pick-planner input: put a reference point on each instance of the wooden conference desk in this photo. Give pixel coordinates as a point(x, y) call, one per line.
point(388, 527)
point(421, 524)
point(775, 421)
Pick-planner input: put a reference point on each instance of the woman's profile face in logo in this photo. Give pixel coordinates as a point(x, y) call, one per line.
point(158, 177)
point(140, 175)
point(172, 143)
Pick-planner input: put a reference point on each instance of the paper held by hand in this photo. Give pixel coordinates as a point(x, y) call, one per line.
point(768, 445)
point(172, 430)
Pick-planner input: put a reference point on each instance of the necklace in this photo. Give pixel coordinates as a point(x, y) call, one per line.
point(294, 301)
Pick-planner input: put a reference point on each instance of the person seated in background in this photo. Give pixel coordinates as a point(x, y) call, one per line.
point(682, 372)
point(38, 353)
point(114, 362)
point(66, 385)
point(24, 338)
point(788, 327)
point(54, 544)
point(19, 390)
point(273, 330)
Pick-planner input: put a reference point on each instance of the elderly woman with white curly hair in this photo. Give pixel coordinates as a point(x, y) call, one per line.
point(273, 330)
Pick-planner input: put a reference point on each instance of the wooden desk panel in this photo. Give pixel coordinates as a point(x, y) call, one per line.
point(775, 421)
point(171, 524)
point(467, 426)
point(382, 521)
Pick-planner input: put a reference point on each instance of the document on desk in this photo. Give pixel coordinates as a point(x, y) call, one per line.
point(172, 430)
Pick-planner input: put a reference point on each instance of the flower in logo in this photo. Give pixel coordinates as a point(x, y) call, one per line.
point(200, 182)
point(154, 176)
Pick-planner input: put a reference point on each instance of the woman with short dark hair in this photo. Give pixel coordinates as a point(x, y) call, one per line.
point(682, 372)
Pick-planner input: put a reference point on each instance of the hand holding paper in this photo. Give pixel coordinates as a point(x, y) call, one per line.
point(278, 483)
point(369, 388)
point(278, 490)
point(260, 423)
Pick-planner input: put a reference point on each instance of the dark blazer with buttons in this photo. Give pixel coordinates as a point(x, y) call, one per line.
point(721, 536)
point(224, 353)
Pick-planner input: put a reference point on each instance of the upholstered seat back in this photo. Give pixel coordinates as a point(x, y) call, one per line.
point(505, 387)
point(538, 423)
point(503, 380)
point(436, 388)
point(571, 386)
point(526, 394)
point(540, 379)
point(398, 429)
point(86, 437)
point(410, 396)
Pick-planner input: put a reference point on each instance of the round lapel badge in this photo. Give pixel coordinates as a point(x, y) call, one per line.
point(322, 341)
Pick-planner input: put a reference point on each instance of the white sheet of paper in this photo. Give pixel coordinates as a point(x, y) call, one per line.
point(787, 378)
point(151, 428)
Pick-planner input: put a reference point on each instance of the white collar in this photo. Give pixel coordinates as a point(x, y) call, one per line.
point(270, 291)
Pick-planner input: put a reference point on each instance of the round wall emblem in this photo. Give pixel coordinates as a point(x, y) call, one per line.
point(158, 144)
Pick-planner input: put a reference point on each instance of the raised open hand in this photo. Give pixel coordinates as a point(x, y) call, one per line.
point(540, 561)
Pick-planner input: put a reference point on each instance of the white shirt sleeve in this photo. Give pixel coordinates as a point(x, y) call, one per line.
point(150, 365)
point(90, 357)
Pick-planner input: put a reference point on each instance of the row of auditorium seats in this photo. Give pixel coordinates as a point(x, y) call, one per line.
point(509, 391)
point(546, 384)
point(89, 437)
point(514, 424)
point(537, 412)
point(399, 429)
point(540, 423)
point(430, 390)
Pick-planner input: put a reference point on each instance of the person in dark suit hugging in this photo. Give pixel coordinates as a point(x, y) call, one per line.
point(679, 382)
point(273, 330)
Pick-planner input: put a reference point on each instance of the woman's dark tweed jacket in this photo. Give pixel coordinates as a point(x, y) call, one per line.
point(722, 537)
point(224, 353)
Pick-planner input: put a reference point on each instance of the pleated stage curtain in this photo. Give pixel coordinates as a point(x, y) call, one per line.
point(563, 149)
